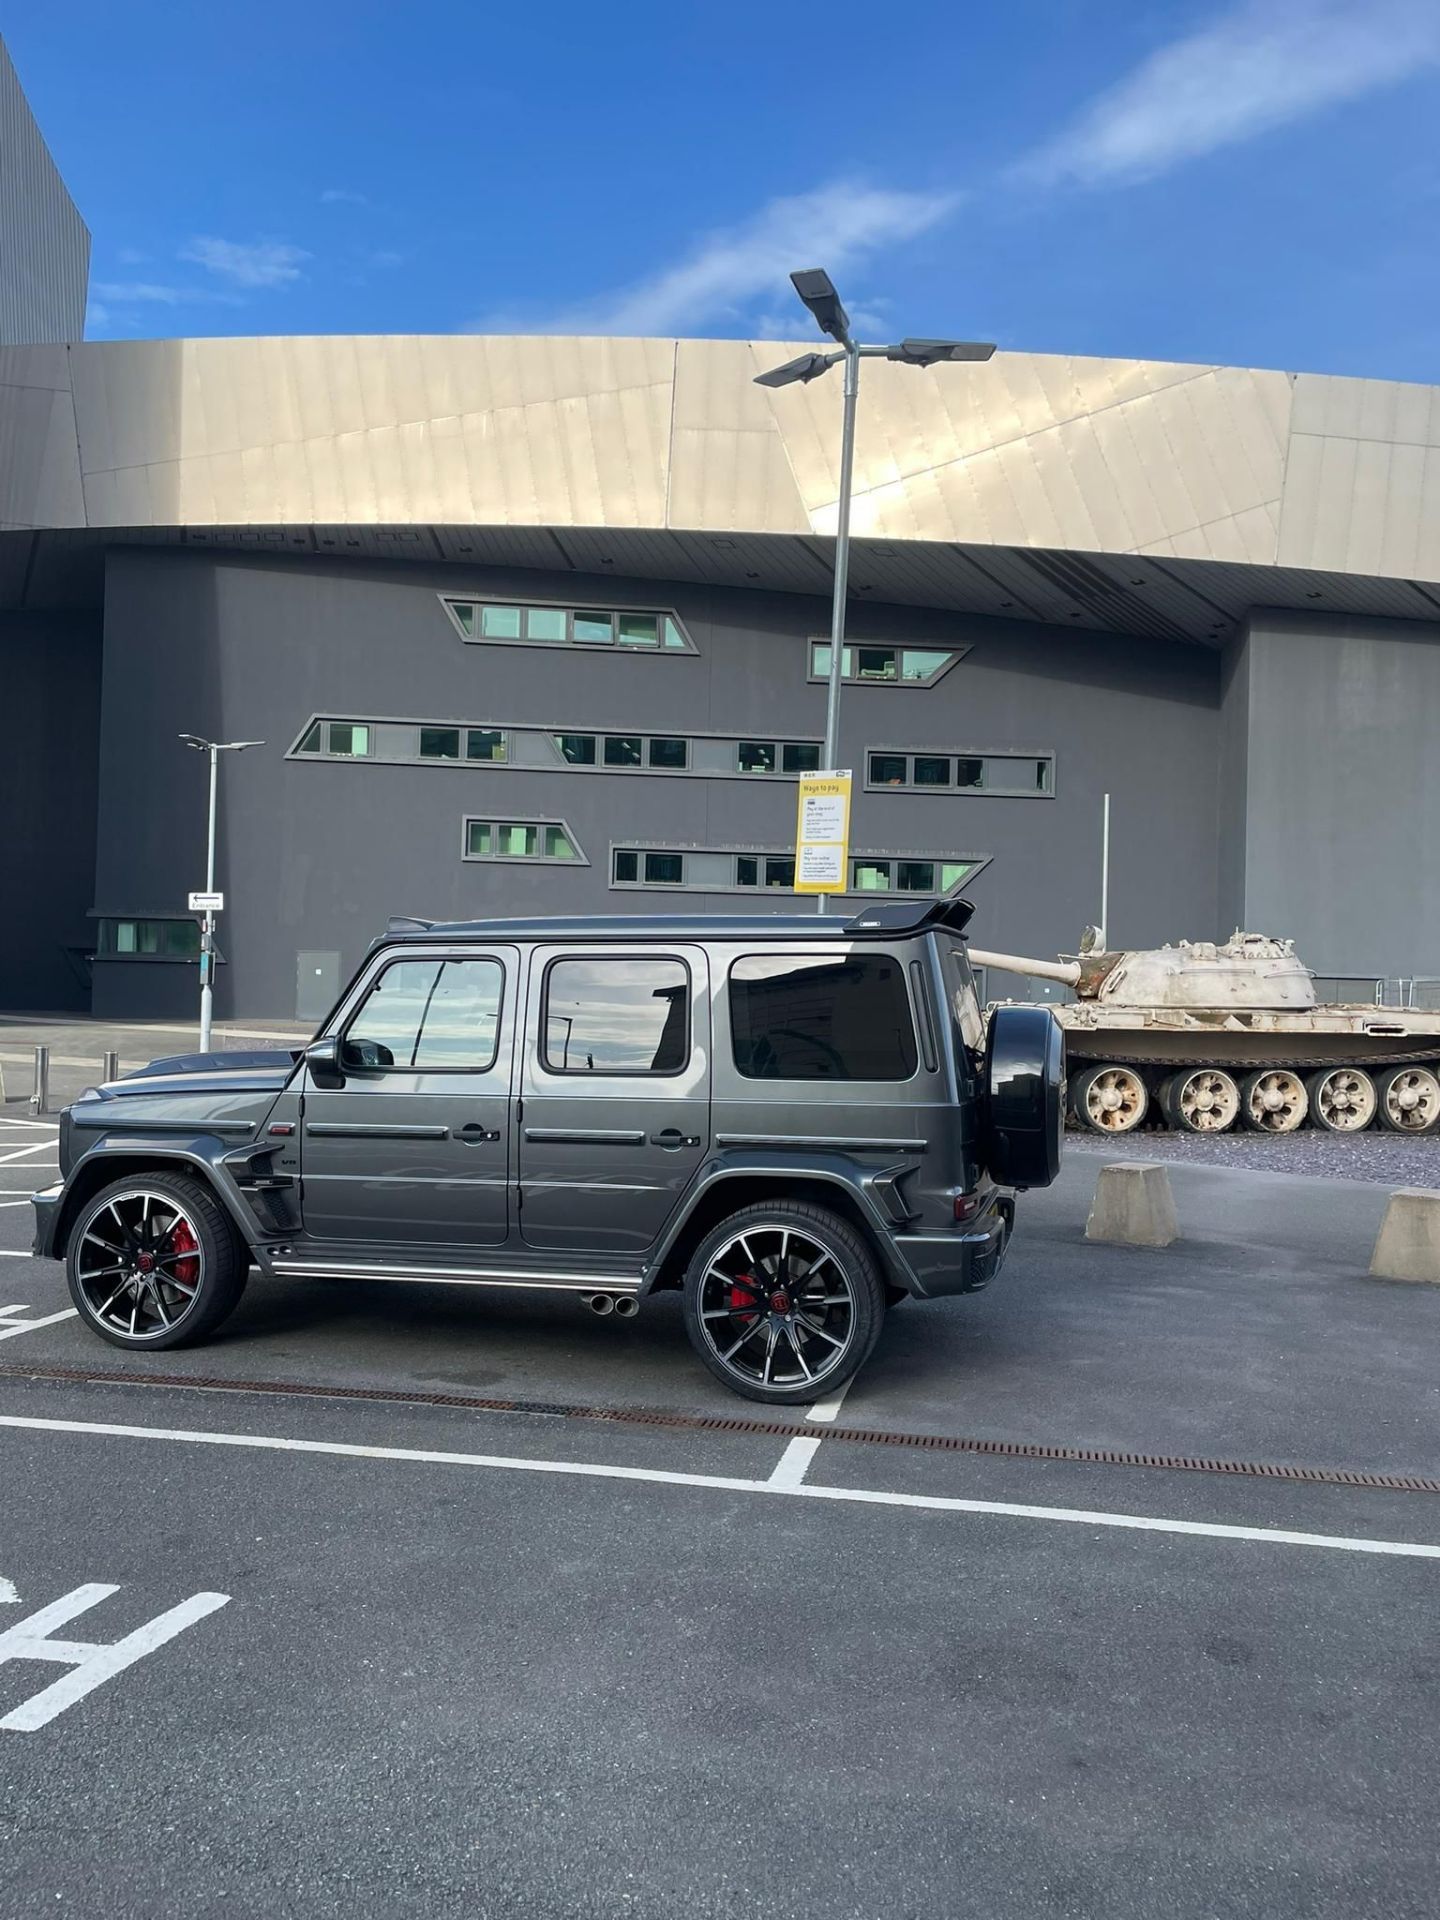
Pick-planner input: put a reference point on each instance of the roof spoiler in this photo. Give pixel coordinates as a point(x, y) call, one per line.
point(906, 916)
point(403, 923)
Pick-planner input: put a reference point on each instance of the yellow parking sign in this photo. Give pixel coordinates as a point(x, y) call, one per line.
point(822, 832)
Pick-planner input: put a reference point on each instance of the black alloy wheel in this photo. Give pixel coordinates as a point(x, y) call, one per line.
point(154, 1262)
point(784, 1303)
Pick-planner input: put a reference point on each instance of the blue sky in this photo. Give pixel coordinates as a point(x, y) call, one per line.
point(1255, 183)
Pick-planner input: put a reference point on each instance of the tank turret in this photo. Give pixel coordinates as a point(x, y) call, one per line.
point(1249, 970)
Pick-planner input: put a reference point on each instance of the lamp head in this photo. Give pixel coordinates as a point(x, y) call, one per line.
point(808, 367)
point(817, 290)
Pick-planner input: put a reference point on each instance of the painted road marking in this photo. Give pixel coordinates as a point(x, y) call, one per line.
point(37, 1146)
point(859, 1496)
point(13, 1328)
point(7, 1592)
point(799, 1456)
point(93, 1663)
point(34, 1126)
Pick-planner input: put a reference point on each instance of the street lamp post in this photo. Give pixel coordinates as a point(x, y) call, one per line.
point(207, 937)
point(817, 291)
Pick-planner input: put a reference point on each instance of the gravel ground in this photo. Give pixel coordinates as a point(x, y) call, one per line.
point(1387, 1159)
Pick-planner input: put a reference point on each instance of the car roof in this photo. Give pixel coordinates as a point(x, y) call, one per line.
point(886, 920)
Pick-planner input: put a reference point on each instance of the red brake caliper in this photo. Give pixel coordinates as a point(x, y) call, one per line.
point(182, 1240)
point(743, 1296)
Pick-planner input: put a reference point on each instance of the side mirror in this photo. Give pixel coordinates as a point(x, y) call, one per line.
point(322, 1057)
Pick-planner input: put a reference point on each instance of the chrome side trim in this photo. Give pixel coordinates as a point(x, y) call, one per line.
point(567, 1282)
point(584, 1136)
point(841, 1143)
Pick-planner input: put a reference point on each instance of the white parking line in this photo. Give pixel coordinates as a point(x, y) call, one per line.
point(12, 1329)
point(799, 1456)
point(37, 1146)
point(36, 1126)
point(859, 1496)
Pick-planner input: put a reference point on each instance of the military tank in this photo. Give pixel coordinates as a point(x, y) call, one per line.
point(1203, 1037)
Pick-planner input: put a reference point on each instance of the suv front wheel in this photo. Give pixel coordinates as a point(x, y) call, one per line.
point(154, 1262)
point(783, 1302)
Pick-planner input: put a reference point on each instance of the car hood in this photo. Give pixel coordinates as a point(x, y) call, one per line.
point(256, 1071)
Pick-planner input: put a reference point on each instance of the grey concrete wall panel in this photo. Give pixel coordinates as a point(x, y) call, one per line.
point(1343, 790)
point(314, 856)
point(50, 673)
point(44, 244)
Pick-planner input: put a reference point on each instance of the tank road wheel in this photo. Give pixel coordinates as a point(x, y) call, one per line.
point(154, 1262)
point(1274, 1101)
point(1342, 1099)
point(1409, 1100)
point(1109, 1099)
point(1201, 1100)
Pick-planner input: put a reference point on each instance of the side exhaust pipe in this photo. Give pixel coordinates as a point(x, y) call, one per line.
point(623, 1305)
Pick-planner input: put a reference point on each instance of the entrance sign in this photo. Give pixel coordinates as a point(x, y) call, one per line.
point(207, 903)
point(822, 832)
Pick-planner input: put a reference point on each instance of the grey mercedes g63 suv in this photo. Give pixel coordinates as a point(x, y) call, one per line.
point(795, 1121)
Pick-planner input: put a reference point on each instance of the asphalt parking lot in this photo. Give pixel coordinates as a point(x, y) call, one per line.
point(401, 1648)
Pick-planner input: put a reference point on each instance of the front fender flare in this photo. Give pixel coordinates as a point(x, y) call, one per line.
point(199, 1152)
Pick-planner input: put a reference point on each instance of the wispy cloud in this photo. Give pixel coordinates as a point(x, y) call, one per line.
point(343, 197)
point(732, 273)
point(257, 263)
point(149, 292)
point(1260, 65)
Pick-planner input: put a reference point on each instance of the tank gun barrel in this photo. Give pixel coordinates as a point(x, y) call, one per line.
point(1067, 972)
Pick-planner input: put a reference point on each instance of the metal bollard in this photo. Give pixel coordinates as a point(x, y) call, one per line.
point(110, 1066)
point(40, 1098)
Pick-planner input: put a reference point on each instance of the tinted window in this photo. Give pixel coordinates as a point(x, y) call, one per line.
point(617, 1016)
point(429, 1013)
point(799, 1019)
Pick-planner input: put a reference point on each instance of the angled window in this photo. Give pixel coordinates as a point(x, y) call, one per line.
point(310, 740)
point(548, 840)
point(650, 630)
point(886, 665)
point(434, 1014)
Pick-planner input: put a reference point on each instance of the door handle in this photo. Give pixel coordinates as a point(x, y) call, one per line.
point(472, 1133)
point(671, 1138)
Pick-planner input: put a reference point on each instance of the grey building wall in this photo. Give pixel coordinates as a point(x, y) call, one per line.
point(44, 244)
point(314, 856)
point(49, 722)
point(1334, 840)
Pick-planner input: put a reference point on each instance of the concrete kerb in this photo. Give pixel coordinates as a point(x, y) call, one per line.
point(1133, 1206)
point(1407, 1246)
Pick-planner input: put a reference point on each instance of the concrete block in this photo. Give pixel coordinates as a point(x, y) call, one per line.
point(1133, 1206)
point(1408, 1244)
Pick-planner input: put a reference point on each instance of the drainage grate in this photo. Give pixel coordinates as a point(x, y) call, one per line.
point(716, 1423)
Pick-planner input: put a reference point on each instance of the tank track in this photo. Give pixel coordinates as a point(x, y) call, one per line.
point(1249, 1066)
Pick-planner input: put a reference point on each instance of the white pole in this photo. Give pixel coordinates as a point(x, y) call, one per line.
point(207, 938)
point(1105, 872)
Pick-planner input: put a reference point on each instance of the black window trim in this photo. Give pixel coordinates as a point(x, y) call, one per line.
point(819, 956)
point(542, 1057)
point(339, 1030)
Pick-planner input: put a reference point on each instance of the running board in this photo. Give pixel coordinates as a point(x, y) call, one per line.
point(566, 1282)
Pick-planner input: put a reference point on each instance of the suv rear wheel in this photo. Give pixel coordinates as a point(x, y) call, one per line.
point(153, 1262)
point(784, 1302)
